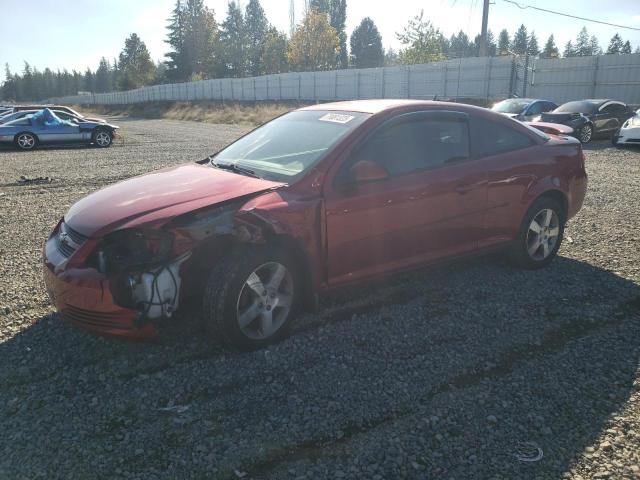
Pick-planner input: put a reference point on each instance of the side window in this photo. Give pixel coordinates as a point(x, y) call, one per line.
point(414, 144)
point(493, 138)
point(612, 109)
point(548, 106)
point(535, 109)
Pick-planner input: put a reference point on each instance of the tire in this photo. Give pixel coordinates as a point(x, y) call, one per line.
point(230, 303)
point(102, 138)
point(25, 141)
point(614, 139)
point(524, 252)
point(585, 133)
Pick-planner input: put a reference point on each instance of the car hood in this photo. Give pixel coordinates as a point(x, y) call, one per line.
point(167, 192)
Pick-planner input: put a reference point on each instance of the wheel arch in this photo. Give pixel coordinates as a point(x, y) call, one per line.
point(554, 194)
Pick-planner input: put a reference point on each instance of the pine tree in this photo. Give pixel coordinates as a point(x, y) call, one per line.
point(102, 81)
point(550, 50)
point(492, 48)
point(569, 50)
point(532, 48)
point(314, 44)
point(233, 42)
point(274, 54)
point(583, 44)
point(460, 46)
point(366, 45)
point(176, 61)
point(89, 81)
point(615, 45)
point(504, 42)
point(256, 25)
point(423, 42)
point(626, 48)
point(520, 41)
point(338, 19)
point(137, 68)
point(594, 46)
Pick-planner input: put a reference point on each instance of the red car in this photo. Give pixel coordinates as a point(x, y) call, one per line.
point(316, 199)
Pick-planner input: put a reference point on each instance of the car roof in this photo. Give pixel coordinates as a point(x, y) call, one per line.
point(377, 106)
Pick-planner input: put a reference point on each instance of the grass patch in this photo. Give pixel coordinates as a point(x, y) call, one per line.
point(202, 111)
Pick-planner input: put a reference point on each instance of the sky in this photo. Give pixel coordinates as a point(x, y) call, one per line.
point(61, 35)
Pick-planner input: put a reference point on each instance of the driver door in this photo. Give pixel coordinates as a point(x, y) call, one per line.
point(430, 206)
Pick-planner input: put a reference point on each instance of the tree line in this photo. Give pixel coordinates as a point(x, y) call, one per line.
point(246, 44)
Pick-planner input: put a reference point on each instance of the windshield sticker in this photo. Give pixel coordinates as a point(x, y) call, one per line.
point(336, 118)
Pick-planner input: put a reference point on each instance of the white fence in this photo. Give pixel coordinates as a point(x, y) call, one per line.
point(483, 79)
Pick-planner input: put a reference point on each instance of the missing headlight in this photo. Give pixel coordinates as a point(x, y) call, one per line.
point(132, 248)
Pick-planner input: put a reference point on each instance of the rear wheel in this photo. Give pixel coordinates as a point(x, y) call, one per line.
point(585, 133)
point(102, 138)
point(251, 298)
point(540, 234)
point(26, 141)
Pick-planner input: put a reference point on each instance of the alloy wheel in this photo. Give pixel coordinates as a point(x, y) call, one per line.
point(265, 301)
point(26, 141)
point(103, 139)
point(585, 133)
point(543, 234)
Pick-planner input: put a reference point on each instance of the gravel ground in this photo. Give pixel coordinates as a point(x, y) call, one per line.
point(449, 373)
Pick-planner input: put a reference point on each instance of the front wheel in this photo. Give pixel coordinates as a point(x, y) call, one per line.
point(102, 138)
point(585, 133)
point(26, 141)
point(540, 234)
point(251, 297)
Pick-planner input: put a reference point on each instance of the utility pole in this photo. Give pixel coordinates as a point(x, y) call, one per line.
point(483, 34)
point(292, 18)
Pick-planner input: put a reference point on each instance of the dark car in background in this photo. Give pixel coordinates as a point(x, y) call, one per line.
point(592, 117)
point(524, 109)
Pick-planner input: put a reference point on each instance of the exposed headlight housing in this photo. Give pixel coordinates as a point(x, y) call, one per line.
point(133, 248)
point(634, 121)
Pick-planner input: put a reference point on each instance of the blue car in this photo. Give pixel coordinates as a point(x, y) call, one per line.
point(45, 127)
point(524, 109)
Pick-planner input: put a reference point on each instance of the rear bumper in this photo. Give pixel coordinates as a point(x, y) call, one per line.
point(83, 297)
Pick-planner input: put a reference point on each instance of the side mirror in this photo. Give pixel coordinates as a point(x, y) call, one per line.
point(368, 171)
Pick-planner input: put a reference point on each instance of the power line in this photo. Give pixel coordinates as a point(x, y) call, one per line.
point(524, 7)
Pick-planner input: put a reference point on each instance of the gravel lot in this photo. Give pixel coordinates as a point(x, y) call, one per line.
point(443, 374)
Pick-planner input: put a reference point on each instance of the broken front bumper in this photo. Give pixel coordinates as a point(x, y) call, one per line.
point(83, 297)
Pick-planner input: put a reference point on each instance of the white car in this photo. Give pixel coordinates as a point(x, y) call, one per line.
point(629, 133)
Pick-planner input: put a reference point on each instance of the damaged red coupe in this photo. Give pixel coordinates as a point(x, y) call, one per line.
point(318, 198)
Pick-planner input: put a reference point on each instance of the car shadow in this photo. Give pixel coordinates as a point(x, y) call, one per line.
point(499, 355)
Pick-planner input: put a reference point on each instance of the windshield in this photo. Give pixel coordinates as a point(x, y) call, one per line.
point(511, 106)
point(73, 112)
point(577, 107)
point(290, 145)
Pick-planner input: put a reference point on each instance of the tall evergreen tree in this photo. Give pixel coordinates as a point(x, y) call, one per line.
point(594, 46)
point(532, 48)
point(89, 81)
point(504, 42)
point(256, 26)
point(338, 20)
point(233, 42)
point(550, 50)
point(626, 48)
point(492, 47)
point(422, 41)
point(615, 45)
point(520, 41)
point(583, 43)
point(569, 50)
point(102, 80)
point(137, 68)
point(177, 68)
point(366, 45)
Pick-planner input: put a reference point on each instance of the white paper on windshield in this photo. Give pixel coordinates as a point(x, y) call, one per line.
point(336, 118)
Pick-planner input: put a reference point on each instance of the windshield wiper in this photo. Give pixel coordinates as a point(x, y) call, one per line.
point(235, 168)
